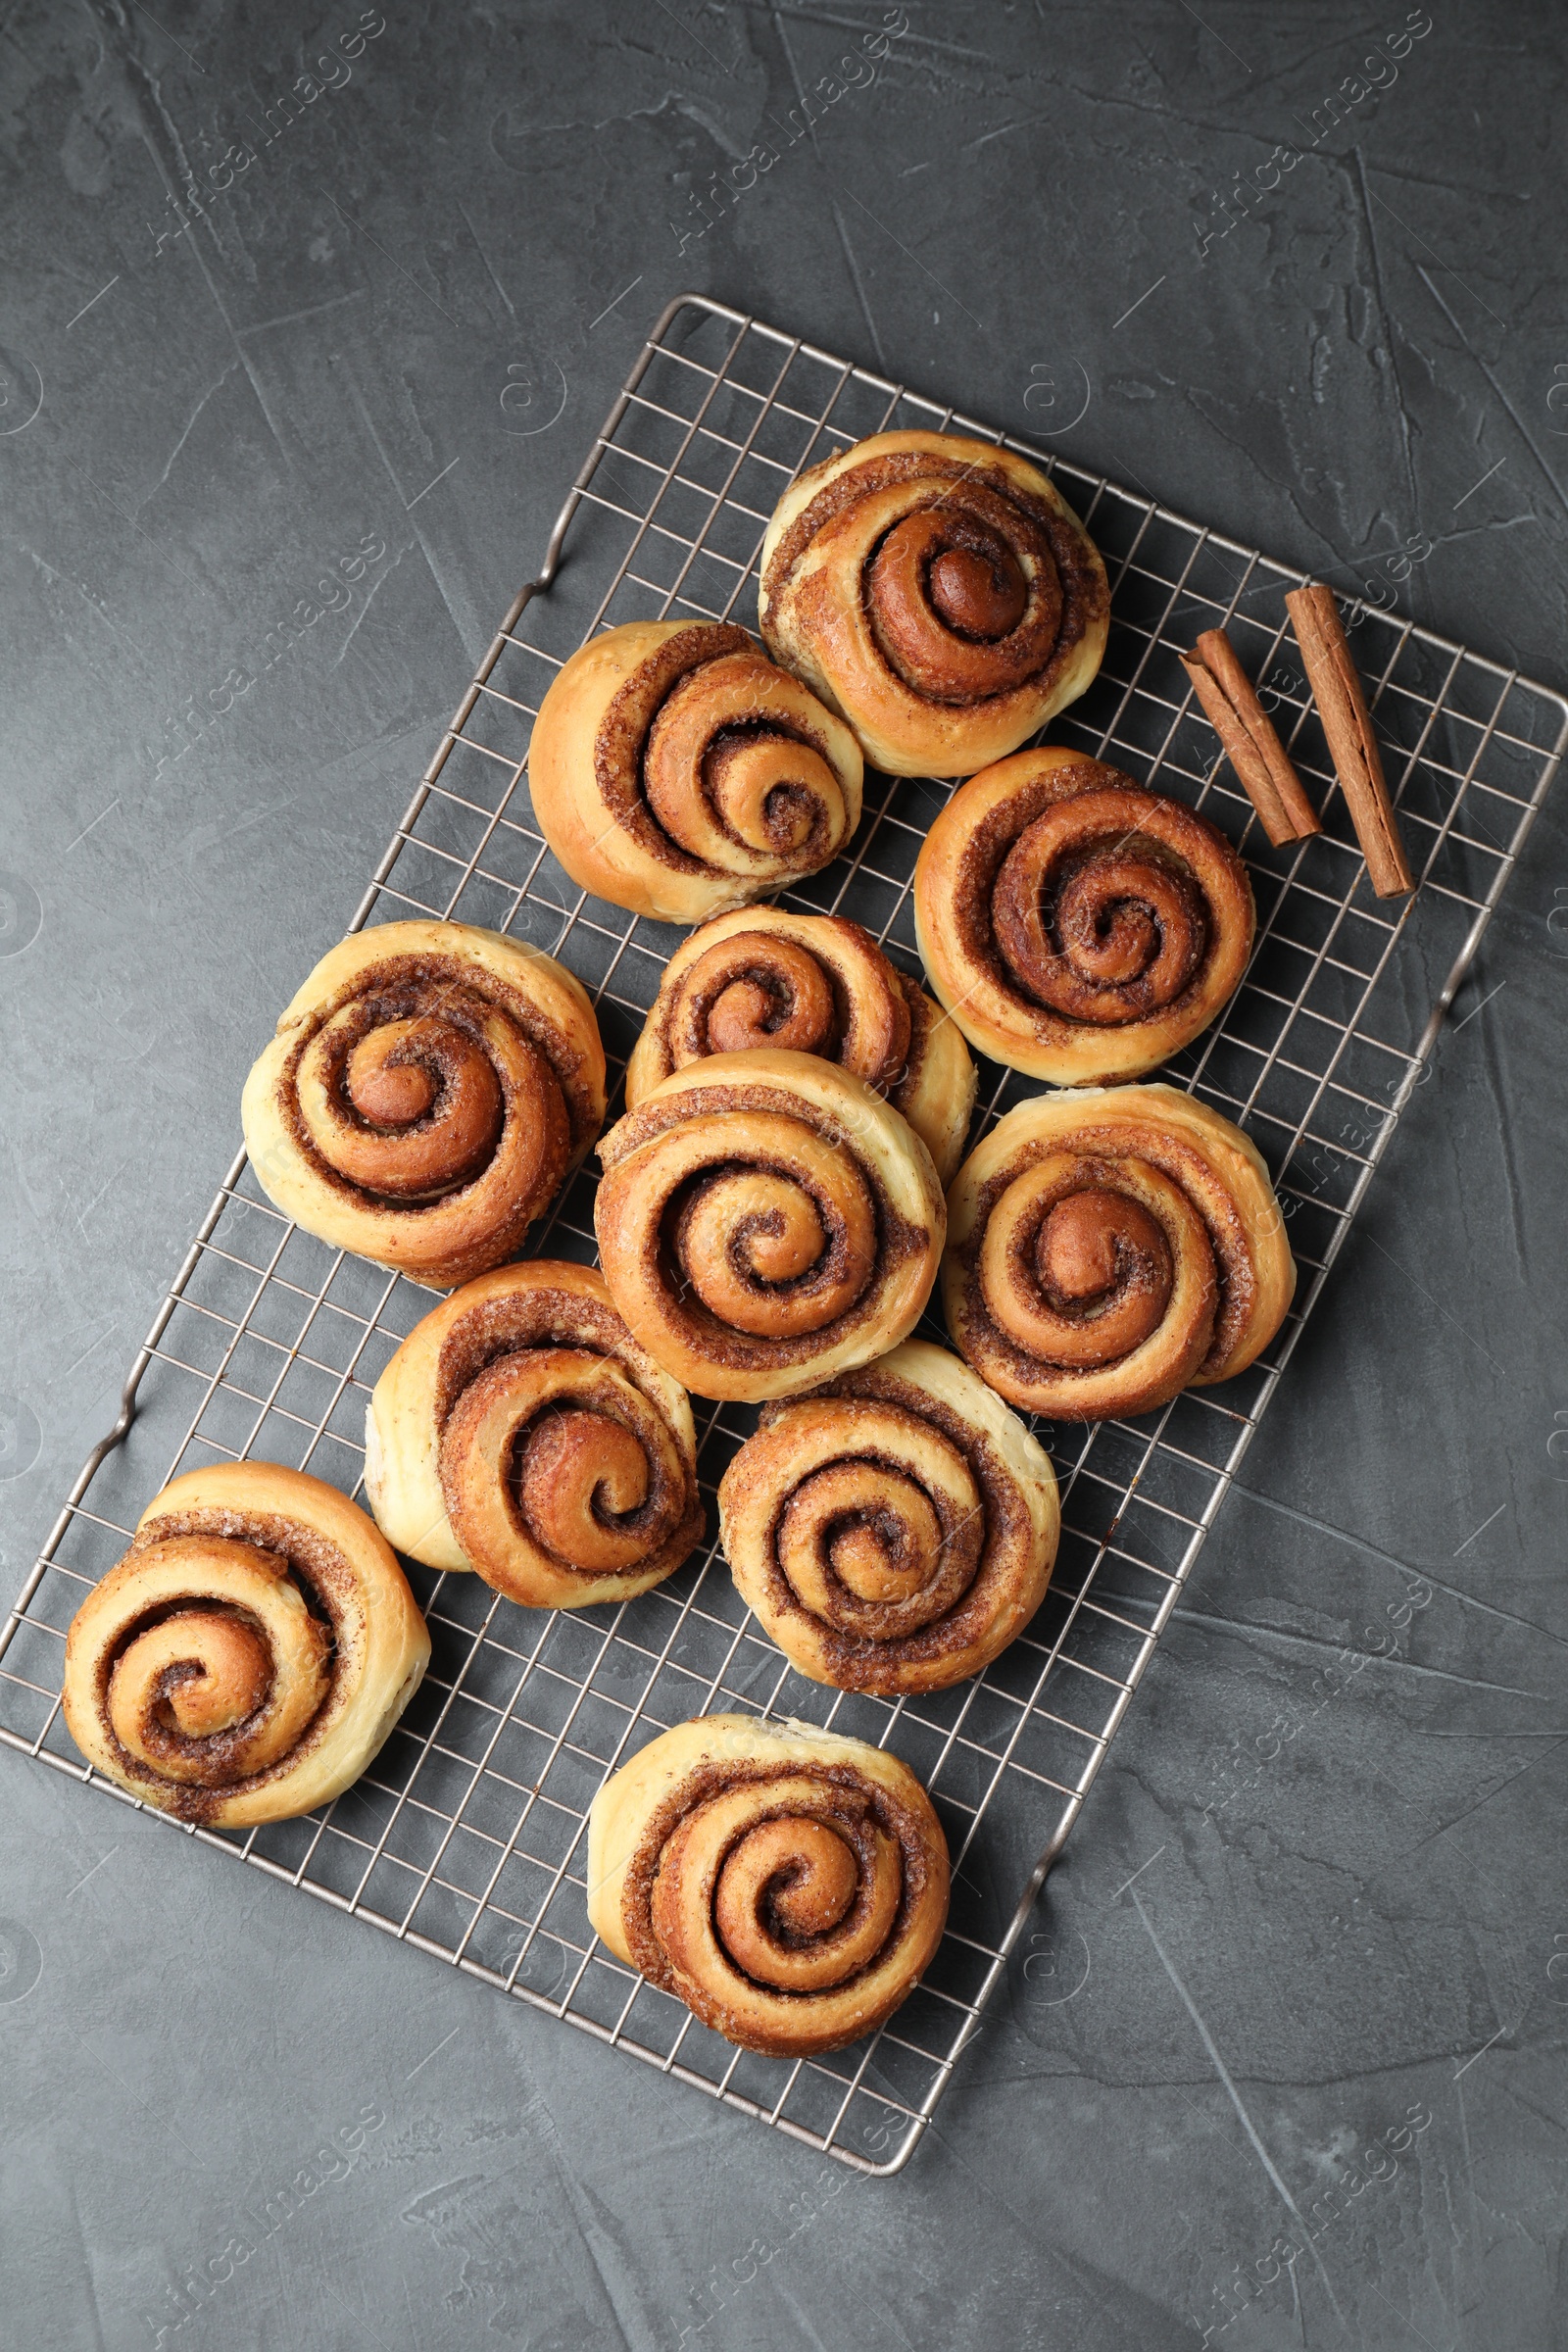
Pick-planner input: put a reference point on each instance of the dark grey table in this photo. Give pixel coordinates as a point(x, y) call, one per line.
point(1292, 268)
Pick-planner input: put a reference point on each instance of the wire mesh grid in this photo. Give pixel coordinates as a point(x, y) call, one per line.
point(468, 1837)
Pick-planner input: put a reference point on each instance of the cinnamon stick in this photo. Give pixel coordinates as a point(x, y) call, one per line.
point(1252, 744)
point(1348, 724)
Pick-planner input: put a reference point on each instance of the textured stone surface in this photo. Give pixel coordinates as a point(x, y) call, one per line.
point(401, 326)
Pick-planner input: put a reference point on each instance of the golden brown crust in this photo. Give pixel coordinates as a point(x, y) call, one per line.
point(939, 592)
point(1111, 1247)
point(766, 1221)
point(429, 1088)
point(249, 1655)
point(521, 1430)
point(811, 984)
point(677, 771)
point(1075, 925)
point(894, 1531)
point(789, 1884)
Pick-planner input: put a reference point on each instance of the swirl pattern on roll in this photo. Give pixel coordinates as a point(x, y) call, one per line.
point(895, 1531)
point(427, 1091)
point(677, 771)
point(764, 1221)
point(939, 592)
point(765, 979)
point(789, 1884)
point(249, 1655)
point(520, 1431)
point(1077, 926)
point(1111, 1247)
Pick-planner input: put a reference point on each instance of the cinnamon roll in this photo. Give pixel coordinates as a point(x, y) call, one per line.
point(249, 1655)
point(428, 1092)
point(520, 1431)
point(1110, 1248)
point(894, 1530)
point(811, 984)
point(1075, 925)
point(675, 771)
point(940, 593)
point(789, 1884)
point(766, 1221)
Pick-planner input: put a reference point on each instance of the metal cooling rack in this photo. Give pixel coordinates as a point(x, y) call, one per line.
point(468, 1837)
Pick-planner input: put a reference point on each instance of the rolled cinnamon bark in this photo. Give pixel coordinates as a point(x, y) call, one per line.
point(1353, 744)
point(1251, 743)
